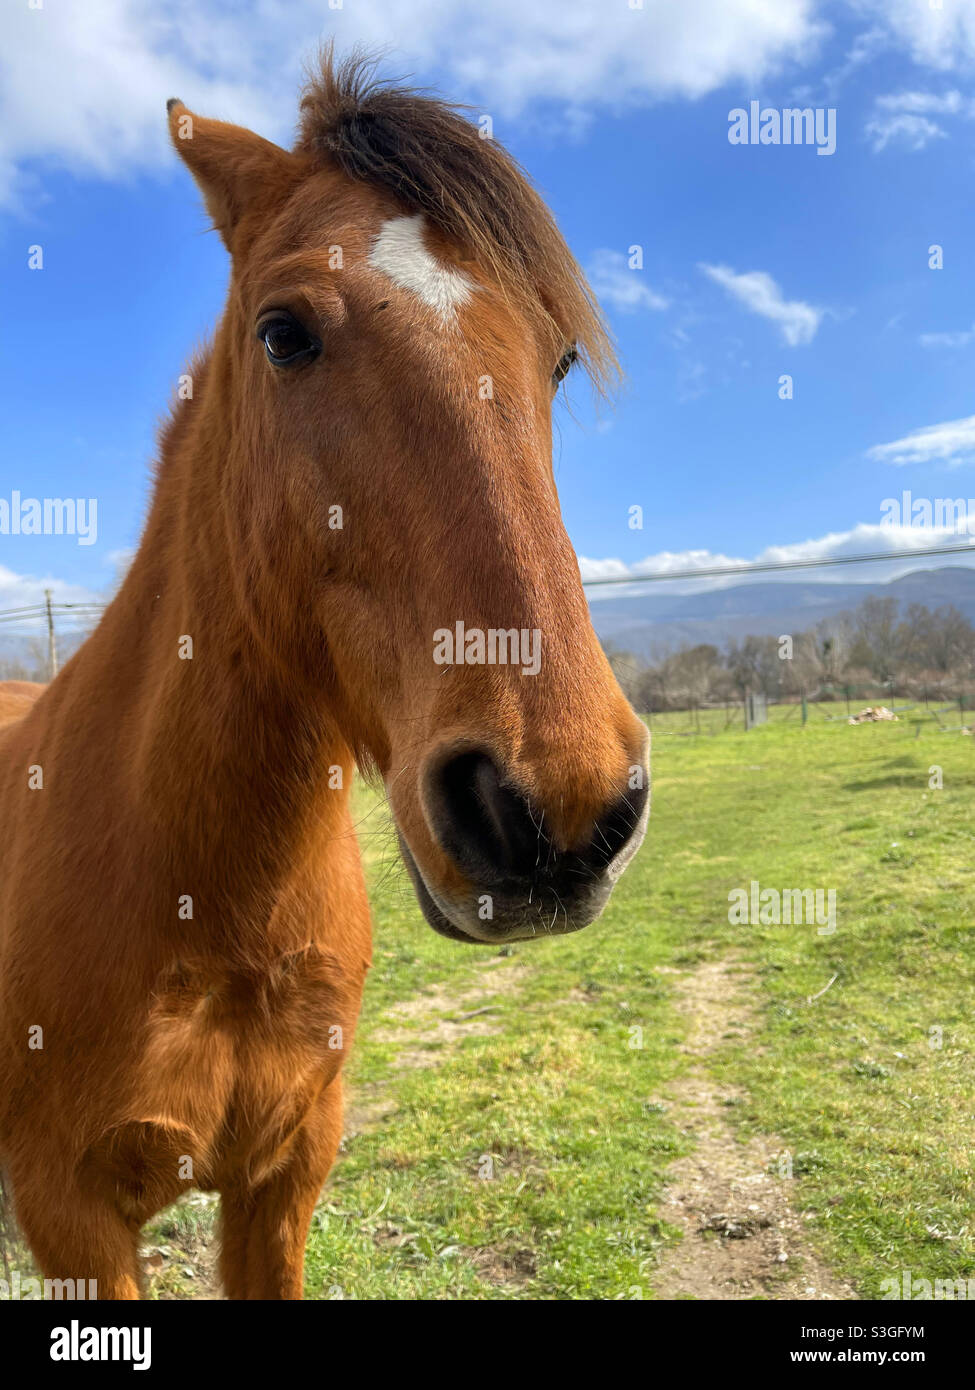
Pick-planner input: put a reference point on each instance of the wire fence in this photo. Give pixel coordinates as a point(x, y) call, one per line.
point(930, 710)
point(51, 621)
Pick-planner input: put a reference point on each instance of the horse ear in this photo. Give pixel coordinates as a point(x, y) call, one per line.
point(233, 168)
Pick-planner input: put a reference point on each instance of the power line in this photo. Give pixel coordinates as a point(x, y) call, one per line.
point(40, 609)
point(31, 608)
point(41, 613)
point(52, 645)
point(84, 611)
point(88, 608)
point(773, 565)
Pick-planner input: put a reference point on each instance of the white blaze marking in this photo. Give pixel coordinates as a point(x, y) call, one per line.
point(400, 252)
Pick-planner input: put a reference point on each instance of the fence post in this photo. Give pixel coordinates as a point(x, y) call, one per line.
point(52, 649)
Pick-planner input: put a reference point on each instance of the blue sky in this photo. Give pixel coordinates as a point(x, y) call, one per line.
point(758, 260)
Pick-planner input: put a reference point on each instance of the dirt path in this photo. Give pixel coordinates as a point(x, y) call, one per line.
point(742, 1236)
point(424, 1027)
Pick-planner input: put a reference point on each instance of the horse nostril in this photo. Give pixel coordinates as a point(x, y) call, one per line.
point(485, 826)
point(489, 830)
point(617, 828)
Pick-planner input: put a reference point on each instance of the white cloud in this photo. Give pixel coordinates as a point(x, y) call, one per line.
point(676, 562)
point(952, 443)
point(758, 292)
point(924, 103)
point(866, 538)
point(943, 38)
point(616, 284)
point(611, 55)
point(948, 340)
point(120, 560)
point(914, 132)
point(84, 85)
point(906, 117)
point(21, 590)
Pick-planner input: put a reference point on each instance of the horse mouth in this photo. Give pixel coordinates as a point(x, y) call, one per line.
point(435, 917)
point(520, 921)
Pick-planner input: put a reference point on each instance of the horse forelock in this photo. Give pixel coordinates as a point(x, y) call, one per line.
point(434, 160)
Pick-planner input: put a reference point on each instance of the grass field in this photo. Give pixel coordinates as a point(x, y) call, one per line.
point(511, 1133)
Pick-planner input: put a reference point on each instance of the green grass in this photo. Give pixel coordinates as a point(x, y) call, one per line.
point(574, 1119)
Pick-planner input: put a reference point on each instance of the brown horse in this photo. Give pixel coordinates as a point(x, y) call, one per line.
point(354, 555)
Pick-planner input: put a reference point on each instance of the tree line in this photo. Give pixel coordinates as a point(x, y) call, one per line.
point(32, 662)
point(917, 653)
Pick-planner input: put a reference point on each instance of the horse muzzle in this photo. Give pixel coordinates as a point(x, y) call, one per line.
point(521, 883)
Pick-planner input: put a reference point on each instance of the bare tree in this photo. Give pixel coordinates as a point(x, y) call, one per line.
point(876, 643)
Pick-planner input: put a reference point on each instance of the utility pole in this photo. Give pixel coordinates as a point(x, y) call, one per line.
point(52, 650)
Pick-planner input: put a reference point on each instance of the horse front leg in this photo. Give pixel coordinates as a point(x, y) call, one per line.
point(264, 1228)
point(84, 1244)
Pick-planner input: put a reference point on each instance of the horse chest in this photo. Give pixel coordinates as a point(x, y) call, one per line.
point(239, 1056)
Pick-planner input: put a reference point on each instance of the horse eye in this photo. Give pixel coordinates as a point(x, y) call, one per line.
point(565, 364)
point(286, 342)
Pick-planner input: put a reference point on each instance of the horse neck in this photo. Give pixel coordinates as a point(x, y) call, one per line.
point(230, 754)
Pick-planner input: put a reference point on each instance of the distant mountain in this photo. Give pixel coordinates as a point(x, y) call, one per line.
point(649, 620)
